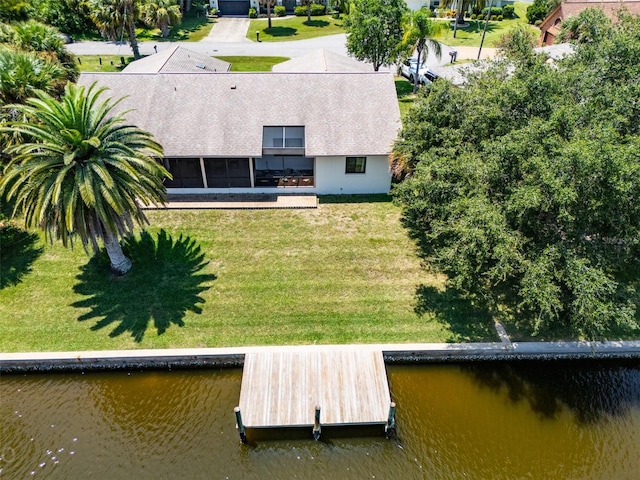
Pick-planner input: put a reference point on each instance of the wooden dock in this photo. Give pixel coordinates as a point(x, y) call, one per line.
point(282, 388)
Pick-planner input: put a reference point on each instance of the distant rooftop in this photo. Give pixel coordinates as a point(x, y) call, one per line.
point(322, 61)
point(177, 60)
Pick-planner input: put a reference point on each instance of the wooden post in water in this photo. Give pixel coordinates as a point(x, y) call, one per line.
point(316, 424)
point(240, 425)
point(391, 421)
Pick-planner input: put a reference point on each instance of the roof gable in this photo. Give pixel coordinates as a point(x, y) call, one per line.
point(177, 60)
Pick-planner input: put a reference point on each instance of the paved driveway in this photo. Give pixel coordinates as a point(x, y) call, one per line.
point(229, 30)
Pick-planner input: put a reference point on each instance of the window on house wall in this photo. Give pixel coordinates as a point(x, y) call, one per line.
point(356, 165)
point(283, 137)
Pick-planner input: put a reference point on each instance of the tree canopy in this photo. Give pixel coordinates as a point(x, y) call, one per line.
point(523, 186)
point(82, 173)
point(375, 30)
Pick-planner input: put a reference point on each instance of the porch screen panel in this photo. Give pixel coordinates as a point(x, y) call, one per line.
point(238, 170)
point(186, 173)
point(227, 172)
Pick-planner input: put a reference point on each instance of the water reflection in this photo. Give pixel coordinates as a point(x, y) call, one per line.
point(595, 390)
point(491, 421)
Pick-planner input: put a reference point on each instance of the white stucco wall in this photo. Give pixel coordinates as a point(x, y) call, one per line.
point(418, 4)
point(331, 178)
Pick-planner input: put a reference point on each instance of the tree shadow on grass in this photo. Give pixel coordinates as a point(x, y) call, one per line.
point(467, 321)
point(592, 390)
point(281, 31)
point(316, 23)
point(163, 285)
point(18, 250)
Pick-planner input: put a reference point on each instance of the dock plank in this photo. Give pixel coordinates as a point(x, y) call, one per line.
point(282, 388)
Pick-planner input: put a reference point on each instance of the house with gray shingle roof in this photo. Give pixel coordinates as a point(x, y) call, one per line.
point(324, 133)
point(178, 60)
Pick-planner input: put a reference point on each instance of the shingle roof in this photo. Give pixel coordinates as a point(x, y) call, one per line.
point(322, 61)
point(223, 115)
point(609, 7)
point(177, 60)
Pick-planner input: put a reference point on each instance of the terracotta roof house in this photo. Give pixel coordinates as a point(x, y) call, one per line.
point(323, 133)
point(550, 27)
point(322, 61)
point(178, 60)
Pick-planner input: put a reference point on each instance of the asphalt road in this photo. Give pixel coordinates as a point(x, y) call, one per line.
point(228, 37)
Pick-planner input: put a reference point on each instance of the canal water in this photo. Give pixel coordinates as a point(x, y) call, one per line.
point(545, 420)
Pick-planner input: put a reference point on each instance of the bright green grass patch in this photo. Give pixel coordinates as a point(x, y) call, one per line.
point(193, 28)
point(471, 36)
point(102, 63)
point(406, 97)
point(342, 273)
point(252, 64)
point(294, 28)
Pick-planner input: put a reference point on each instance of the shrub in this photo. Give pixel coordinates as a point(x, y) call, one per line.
point(495, 11)
point(300, 11)
point(335, 15)
point(538, 23)
point(508, 11)
point(473, 16)
point(253, 13)
point(493, 18)
point(279, 11)
point(317, 9)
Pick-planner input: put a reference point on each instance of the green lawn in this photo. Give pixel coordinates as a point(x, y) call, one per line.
point(472, 35)
point(252, 64)
point(343, 273)
point(294, 28)
point(406, 97)
point(193, 28)
point(103, 63)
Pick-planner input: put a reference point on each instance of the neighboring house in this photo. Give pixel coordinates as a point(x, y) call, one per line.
point(177, 60)
point(323, 133)
point(550, 26)
point(322, 61)
point(241, 7)
point(435, 4)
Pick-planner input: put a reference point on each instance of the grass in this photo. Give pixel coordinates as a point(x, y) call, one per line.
point(102, 63)
point(193, 28)
point(344, 273)
point(406, 97)
point(294, 28)
point(471, 36)
point(252, 64)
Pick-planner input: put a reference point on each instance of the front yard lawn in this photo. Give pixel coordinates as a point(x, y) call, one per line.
point(344, 273)
point(294, 28)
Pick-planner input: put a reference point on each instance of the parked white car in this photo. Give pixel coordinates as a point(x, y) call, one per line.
point(427, 77)
point(408, 69)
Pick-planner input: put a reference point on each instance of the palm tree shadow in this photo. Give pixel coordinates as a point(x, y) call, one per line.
point(18, 250)
point(163, 285)
point(467, 321)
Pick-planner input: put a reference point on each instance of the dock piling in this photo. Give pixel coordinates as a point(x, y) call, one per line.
point(391, 421)
point(316, 424)
point(240, 425)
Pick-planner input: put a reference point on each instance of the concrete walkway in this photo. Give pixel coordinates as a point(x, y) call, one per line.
point(237, 202)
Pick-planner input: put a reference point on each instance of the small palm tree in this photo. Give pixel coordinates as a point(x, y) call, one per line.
point(417, 36)
point(83, 173)
point(161, 14)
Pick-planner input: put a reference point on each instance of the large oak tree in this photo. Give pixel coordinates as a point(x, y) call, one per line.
point(523, 186)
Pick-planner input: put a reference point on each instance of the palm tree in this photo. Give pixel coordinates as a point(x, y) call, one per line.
point(46, 41)
point(417, 36)
point(161, 14)
point(82, 173)
point(268, 4)
point(114, 18)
